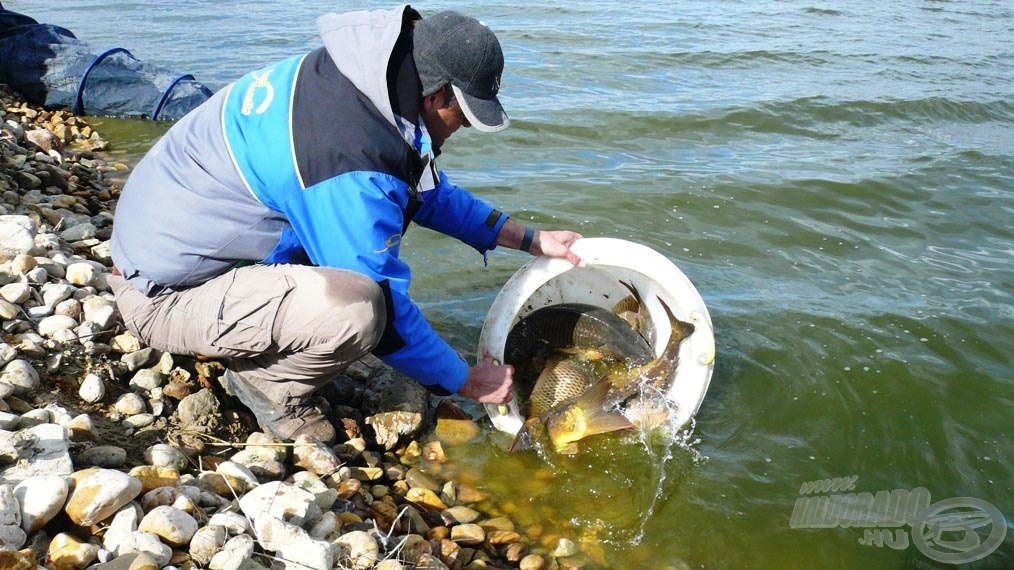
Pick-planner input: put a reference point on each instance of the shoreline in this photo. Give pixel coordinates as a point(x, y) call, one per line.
point(117, 455)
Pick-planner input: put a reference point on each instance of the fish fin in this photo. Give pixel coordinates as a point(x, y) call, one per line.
point(633, 291)
point(597, 419)
point(525, 439)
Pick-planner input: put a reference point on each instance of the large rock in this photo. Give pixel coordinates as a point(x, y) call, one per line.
point(291, 543)
point(169, 523)
point(98, 493)
point(22, 375)
point(39, 450)
point(390, 391)
point(396, 407)
point(17, 235)
point(282, 500)
point(41, 498)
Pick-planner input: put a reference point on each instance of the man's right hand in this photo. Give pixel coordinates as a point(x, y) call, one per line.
point(489, 383)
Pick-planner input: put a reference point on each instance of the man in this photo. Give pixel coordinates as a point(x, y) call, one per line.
point(265, 226)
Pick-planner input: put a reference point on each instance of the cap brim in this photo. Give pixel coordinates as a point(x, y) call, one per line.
point(486, 115)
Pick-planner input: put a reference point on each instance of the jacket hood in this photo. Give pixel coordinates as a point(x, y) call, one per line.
point(361, 44)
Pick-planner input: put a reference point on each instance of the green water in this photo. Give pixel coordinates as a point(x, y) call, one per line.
point(837, 179)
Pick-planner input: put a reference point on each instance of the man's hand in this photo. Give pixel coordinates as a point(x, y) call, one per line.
point(551, 243)
point(489, 383)
point(557, 244)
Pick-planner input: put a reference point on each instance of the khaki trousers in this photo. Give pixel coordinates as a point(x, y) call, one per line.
point(288, 329)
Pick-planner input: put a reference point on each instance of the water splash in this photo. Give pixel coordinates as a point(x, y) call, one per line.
point(671, 435)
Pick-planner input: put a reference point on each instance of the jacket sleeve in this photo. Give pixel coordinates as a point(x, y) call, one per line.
point(454, 211)
point(354, 221)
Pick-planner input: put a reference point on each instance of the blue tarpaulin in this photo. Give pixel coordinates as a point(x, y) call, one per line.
point(51, 67)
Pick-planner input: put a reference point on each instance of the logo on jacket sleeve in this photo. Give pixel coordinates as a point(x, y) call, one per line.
point(260, 80)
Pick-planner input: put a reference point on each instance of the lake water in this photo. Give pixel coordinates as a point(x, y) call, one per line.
point(837, 179)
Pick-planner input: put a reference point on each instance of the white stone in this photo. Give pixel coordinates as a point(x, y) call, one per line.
point(234, 522)
point(148, 543)
point(30, 345)
point(98, 493)
point(314, 456)
point(22, 375)
point(272, 533)
point(281, 500)
point(164, 455)
point(38, 276)
point(80, 274)
point(100, 311)
point(39, 312)
point(206, 542)
point(41, 498)
point(12, 537)
point(9, 421)
point(123, 524)
point(80, 428)
point(39, 450)
point(234, 554)
point(23, 263)
point(130, 404)
point(36, 417)
point(49, 326)
point(147, 379)
point(239, 476)
point(138, 421)
point(8, 311)
point(92, 389)
point(54, 269)
point(10, 507)
point(79, 232)
point(7, 353)
point(125, 342)
point(325, 526)
point(356, 550)
point(17, 292)
point(53, 293)
point(68, 308)
point(306, 553)
point(171, 524)
point(64, 337)
point(17, 234)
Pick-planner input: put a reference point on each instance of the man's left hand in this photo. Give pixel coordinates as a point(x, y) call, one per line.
point(557, 243)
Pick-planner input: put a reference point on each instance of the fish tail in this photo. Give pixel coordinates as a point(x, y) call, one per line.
point(684, 328)
point(597, 419)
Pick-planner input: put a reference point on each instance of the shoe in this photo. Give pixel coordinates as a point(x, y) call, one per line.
point(284, 421)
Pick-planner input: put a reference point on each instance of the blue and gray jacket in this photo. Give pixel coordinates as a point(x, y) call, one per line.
point(319, 159)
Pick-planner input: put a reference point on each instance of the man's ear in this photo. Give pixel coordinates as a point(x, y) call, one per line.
point(433, 101)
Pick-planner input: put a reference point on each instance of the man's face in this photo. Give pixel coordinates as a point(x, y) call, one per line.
point(442, 120)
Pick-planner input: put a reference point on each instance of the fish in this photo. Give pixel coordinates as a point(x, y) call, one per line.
point(580, 330)
point(655, 375)
point(566, 406)
point(575, 325)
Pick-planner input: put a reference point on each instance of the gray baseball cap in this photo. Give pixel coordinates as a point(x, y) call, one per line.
point(451, 48)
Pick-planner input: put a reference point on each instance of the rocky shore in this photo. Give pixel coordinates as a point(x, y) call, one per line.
point(114, 455)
